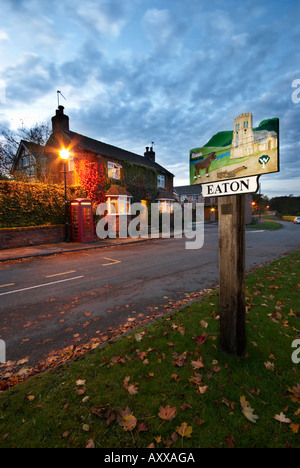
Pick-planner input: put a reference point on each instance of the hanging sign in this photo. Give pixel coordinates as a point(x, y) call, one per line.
point(227, 163)
point(231, 187)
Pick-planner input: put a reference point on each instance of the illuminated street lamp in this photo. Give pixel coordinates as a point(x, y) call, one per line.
point(64, 154)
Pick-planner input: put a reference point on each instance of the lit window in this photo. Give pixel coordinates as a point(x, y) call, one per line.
point(114, 170)
point(71, 163)
point(165, 206)
point(161, 180)
point(119, 204)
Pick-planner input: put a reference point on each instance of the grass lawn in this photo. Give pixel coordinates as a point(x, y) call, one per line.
point(264, 225)
point(168, 385)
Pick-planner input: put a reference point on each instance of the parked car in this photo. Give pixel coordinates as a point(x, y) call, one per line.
point(297, 220)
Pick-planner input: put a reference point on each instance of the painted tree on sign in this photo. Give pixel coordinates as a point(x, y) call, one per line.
point(264, 159)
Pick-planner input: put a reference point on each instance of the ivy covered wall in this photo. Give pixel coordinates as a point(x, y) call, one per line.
point(139, 181)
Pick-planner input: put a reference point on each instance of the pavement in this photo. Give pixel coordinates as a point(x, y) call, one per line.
point(62, 247)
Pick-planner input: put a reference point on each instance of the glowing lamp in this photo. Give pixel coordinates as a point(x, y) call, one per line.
point(64, 154)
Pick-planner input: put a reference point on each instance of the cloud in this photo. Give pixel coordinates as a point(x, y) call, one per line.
point(165, 29)
point(3, 35)
point(28, 79)
point(100, 17)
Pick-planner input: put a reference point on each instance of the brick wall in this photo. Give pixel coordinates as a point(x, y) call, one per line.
point(11, 238)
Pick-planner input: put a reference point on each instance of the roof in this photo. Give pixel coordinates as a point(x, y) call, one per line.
point(110, 151)
point(189, 190)
point(34, 149)
point(117, 190)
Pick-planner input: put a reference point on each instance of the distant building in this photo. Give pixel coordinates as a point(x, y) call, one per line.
point(193, 194)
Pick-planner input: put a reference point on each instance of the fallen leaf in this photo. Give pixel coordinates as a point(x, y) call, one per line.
point(247, 411)
point(90, 444)
point(184, 430)
point(197, 364)
point(132, 388)
point(200, 339)
point(129, 422)
point(203, 389)
point(282, 418)
point(167, 413)
point(295, 393)
point(294, 427)
point(80, 383)
point(142, 427)
point(269, 366)
point(126, 419)
point(179, 359)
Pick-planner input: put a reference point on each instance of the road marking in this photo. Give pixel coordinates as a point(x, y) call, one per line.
point(6, 285)
point(113, 262)
point(60, 274)
point(40, 285)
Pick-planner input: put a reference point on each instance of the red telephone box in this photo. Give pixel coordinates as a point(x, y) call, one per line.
point(82, 224)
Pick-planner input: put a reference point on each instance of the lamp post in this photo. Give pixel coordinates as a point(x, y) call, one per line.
point(64, 154)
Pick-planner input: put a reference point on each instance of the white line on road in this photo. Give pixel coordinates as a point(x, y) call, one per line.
point(40, 285)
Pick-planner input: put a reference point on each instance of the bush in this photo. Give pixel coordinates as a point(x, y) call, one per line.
point(28, 204)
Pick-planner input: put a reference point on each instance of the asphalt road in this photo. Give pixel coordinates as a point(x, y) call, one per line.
point(47, 304)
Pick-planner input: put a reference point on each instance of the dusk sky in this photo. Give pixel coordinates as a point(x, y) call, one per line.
point(172, 72)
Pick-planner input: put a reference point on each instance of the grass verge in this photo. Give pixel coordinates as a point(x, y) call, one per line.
point(168, 385)
point(266, 225)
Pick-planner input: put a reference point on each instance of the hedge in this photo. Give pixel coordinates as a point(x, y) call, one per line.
point(34, 204)
point(288, 218)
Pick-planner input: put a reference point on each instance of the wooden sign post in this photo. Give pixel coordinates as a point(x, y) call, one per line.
point(232, 299)
point(228, 166)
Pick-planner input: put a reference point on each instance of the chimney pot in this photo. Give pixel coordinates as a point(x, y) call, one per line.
point(60, 122)
point(150, 154)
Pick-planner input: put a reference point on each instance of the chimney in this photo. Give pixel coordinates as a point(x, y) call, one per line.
point(150, 154)
point(60, 122)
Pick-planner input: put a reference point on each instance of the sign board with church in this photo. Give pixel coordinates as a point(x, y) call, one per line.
point(231, 161)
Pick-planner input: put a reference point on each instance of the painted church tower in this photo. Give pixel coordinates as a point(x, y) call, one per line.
point(243, 138)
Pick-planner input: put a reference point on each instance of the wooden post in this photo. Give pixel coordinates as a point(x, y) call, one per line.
point(232, 302)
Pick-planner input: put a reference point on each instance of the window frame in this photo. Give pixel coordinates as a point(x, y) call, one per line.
point(122, 204)
point(161, 177)
point(113, 170)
